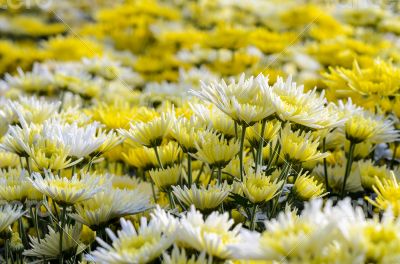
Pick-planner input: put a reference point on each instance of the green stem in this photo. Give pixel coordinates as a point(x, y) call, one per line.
point(153, 191)
point(236, 129)
point(34, 220)
point(200, 172)
point(253, 217)
point(272, 154)
point(189, 163)
point(22, 234)
point(158, 157)
point(28, 165)
point(348, 166)
point(284, 176)
point(260, 145)
point(61, 230)
point(393, 155)
point(325, 165)
point(241, 152)
point(219, 174)
point(171, 199)
point(7, 249)
point(73, 170)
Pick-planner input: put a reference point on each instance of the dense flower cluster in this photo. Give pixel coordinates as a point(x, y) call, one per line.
point(149, 131)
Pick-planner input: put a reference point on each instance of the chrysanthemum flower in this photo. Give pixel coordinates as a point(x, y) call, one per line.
point(33, 109)
point(307, 188)
point(212, 234)
point(253, 133)
point(169, 154)
point(120, 114)
point(213, 118)
point(369, 173)
point(131, 246)
point(299, 146)
point(259, 188)
point(8, 160)
point(15, 186)
point(244, 101)
point(81, 141)
point(9, 214)
point(202, 198)
point(127, 182)
point(214, 149)
point(184, 131)
point(388, 194)
point(50, 155)
point(335, 178)
point(112, 140)
point(19, 138)
point(49, 245)
point(380, 79)
point(289, 236)
point(179, 256)
point(139, 157)
point(151, 133)
point(233, 167)
point(165, 178)
point(67, 191)
point(365, 126)
point(291, 103)
point(110, 205)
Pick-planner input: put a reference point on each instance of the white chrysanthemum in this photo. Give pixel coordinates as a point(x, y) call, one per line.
point(163, 219)
point(180, 257)
point(202, 198)
point(211, 235)
point(15, 186)
point(366, 126)
point(335, 178)
point(110, 205)
point(213, 118)
point(68, 191)
point(293, 104)
point(49, 245)
point(150, 133)
point(244, 101)
point(9, 214)
point(81, 141)
point(33, 109)
point(39, 79)
point(131, 246)
point(18, 139)
point(292, 238)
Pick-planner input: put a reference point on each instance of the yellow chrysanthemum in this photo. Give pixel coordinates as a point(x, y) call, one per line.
point(307, 188)
point(165, 178)
point(214, 149)
point(67, 191)
point(253, 133)
point(361, 127)
point(184, 131)
point(139, 157)
point(202, 198)
point(370, 172)
point(107, 206)
point(259, 188)
point(142, 246)
point(15, 186)
point(149, 134)
point(8, 160)
point(388, 194)
point(244, 101)
point(299, 146)
point(380, 79)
